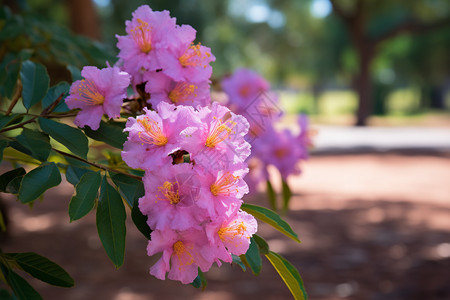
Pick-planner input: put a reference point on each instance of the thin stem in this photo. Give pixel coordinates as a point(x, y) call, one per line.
point(15, 98)
point(96, 165)
point(19, 125)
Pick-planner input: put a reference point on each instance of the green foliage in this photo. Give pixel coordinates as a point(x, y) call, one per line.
point(289, 274)
point(272, 218)
point(272, 196)
point(287, 194)
point(111, 223)
point(86, 194)
point(34, 143)
point(109, 133)
point(37, 181)
point(35, 82)
point(252, 257)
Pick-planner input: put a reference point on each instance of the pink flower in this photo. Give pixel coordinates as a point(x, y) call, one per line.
point(305, 135)
point(163, 88)
point(170, 198)
point(184, 61)
point(219, 143)
point(100, 92)
point(181, 254)
point(243, 87)
point(230, 235)
point(155, 135)
point(222, 191)
point(147, 33)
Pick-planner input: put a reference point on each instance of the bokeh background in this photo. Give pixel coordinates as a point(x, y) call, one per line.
point(372, 205)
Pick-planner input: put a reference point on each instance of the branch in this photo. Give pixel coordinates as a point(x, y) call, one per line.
point(340, 12)
point(412, 27)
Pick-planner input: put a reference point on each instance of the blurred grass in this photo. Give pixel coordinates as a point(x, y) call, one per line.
point(338, 107)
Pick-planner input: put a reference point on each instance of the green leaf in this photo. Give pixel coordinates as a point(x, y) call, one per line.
point(7, 177)
point(140, 220)
point(37, 181)
point(200, 281)
point(262, 244)
point(75, 72)
point(131, 189)
point(11, 73)
point(72, 138)
point(14, 185)
point(253, 257)
point(74, 174)
point(61, 89)
point(35, 82)
point(42, 268)
point(237, 260)
point(11, 119)
point(289, 274)
point(3, 145)
point(272, 196)
point(111, 134)
point(111, 223)
point(86, 193)
point(36, 142)
point(197, 283)
point(21, 288)
point(271, 218)
point(287, 194)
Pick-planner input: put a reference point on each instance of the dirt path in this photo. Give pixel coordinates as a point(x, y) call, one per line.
point(372, 227)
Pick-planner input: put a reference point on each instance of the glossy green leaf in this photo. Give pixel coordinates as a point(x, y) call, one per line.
point(7, 177)
point(3, 145)
point(111, 223)
point(35, 82)
point(289, 274)
point(36, 142)
point(131, 189)
point(237, 260)
point(140, 220)
point(14, 185)
point(11, 73)
point(74, 174)
point(42, 268)
point(53, 94)
point(37, 181)
point(272, 218)
point(272, 196)
point(287, 194)
point(86, 194)
point(200, 281)
point(21, 288)
point(111, 134)
point(253, 257)
point(262, 244)
point(9, 120)
point(72, 138)
point(75, 72)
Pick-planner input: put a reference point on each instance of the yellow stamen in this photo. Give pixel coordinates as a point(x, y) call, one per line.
point(219, 132)
point(89, 93)
point(181, 251)
point(142, 36)
point(181, 92)
point(227, 234)
point(193, 57)
point(224, 185)
point(170, 192)
point(153, 133)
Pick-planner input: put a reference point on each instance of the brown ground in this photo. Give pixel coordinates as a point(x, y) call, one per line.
point(373, 226)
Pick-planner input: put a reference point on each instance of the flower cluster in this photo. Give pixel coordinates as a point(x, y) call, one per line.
point(249, 94)
point(194, 162)
point(193, 153)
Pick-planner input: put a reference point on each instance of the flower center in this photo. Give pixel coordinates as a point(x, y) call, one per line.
point(281, 152)
point(228, 233)
point(89, 93)
point(153, 132)
point(183, 254)
point(224, 185)
point(170, 192)
point(142, 36)
point(244, 91)
point(181, 92)
point(194, 57)
point(219, 132)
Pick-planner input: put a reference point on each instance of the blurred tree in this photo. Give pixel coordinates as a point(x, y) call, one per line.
point(370, 23)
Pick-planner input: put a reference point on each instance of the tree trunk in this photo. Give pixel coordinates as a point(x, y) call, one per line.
point(84, 18)
point(363, 82)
